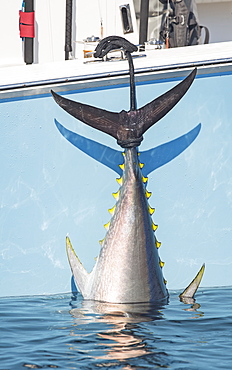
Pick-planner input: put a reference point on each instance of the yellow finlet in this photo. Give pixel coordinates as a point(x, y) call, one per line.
point(106, 226)
point(111, 210)
point(119, 181)
point(144, 179)
point(161, 263)
point(157, 244)
point(154, 226)
point(122, 166)
point(101, 241)
point(148, 194)
point(165, 282)
point(141, 165)
point(151, 210)
point(116, 195)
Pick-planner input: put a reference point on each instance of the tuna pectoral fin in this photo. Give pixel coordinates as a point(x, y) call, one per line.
point(193, 286)
point(80, 274)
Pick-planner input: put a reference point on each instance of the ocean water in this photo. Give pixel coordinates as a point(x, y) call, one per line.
point(65, 332)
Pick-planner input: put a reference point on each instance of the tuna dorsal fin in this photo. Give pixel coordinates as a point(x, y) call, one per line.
point(193, 286)
point(80, 274)
point(127, 127)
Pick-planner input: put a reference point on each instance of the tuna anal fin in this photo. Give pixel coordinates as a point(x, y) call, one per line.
point(193, 286)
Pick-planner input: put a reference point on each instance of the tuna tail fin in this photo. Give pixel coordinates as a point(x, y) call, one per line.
point(191, 289)
point(158, 108)
point(127, 127)
point(100, 119)
point(81, 276)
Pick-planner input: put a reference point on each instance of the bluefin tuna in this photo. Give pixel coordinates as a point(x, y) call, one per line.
point(128, 268)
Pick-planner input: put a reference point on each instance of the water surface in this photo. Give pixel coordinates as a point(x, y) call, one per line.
point(64, 332)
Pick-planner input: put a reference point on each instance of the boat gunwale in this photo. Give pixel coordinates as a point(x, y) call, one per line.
point(102, 80)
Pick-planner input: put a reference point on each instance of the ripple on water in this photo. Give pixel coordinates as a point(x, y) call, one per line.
point(42, 332)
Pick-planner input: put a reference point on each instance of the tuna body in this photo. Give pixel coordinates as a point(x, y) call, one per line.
point(128, 269)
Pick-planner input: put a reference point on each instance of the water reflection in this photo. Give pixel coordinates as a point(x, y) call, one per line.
point(122, 334)
point(120, 338)
point(194, 306)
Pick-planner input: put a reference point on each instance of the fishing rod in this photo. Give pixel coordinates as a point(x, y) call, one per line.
point(143, 26)
point(68, 29)
point(27, 29)
point(167, 25)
